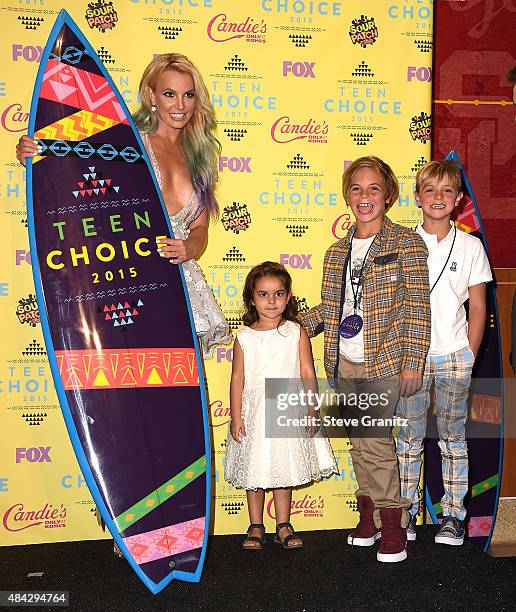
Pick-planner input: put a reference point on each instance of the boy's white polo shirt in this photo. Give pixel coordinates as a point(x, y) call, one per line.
point(468, 265)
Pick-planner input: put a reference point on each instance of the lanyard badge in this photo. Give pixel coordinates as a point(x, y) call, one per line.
point(351, 325)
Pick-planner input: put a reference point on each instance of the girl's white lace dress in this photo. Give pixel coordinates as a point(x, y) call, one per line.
point(261, 461)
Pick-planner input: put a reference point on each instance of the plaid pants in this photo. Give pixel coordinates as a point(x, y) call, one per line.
point(451, 375)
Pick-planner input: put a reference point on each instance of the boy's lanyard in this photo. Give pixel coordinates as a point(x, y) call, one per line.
point(352, 324)
point(447, 259)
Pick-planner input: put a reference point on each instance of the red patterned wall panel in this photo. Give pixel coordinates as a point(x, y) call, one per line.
point(474, 48)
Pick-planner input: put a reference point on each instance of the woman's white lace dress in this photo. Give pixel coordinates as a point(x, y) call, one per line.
point(261, 461)
point(210, 325)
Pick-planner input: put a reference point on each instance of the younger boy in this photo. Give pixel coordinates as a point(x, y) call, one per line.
point(458, 269)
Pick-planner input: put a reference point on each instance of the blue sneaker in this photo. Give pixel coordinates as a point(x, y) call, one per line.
point(452, 531)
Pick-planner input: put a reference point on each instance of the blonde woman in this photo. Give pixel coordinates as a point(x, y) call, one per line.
point(177, 123)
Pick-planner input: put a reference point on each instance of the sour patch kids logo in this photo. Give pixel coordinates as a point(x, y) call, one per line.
point(363, 31)
point(101, 15)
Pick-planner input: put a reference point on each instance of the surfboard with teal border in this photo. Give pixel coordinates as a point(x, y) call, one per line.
point(116, 317)
point(484, 429)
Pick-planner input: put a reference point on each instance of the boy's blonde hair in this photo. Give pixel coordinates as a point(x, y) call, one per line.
point(438, 171)
point(375, 163)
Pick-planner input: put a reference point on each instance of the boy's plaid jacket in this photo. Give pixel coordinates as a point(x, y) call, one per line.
point(395, 299)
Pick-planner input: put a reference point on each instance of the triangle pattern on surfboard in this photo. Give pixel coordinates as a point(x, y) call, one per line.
point(89, 186)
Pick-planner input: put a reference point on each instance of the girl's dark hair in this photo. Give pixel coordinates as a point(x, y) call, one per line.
point(267, 268)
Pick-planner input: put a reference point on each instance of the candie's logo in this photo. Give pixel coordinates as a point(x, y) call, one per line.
point(17, 518)
point(341, 225)
point(285, 130)
point(363, 31)
point(14, 119)
point(220, 415)
point(221, 29)
point(421, 127)
point(101, 15)
point(308, 506)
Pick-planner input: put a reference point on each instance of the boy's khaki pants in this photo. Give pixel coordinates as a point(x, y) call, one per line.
point(373, 450)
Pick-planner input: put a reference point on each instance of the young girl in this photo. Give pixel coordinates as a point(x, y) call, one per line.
point(272, 345)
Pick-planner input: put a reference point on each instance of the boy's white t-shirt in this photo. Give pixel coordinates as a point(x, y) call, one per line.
point(352, 349)
point(467, 266)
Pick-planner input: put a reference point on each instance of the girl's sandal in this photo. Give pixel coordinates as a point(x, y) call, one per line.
point(285, 542)
point(257, 542)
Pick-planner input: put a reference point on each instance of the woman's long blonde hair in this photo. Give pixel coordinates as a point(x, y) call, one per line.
point(200, 145)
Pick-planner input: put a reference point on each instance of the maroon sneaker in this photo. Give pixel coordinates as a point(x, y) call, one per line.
point(365, 533)
point(394, 536)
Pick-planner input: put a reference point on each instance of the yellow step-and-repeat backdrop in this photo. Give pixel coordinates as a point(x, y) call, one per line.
point(300, 88)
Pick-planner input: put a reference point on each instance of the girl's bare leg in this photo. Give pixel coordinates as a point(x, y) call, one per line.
point(255, 501)
point(282, 503)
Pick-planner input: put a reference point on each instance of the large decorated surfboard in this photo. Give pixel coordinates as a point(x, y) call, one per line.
point(116, 316)
point(484, 429)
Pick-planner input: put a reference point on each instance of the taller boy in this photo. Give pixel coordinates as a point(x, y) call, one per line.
point(459, 269)
point(375, 314)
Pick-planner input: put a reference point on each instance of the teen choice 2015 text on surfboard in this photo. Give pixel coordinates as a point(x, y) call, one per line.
point(116, 317)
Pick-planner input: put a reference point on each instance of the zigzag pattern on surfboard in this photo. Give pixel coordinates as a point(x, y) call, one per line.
point(95, 205)
point(467, 220)
point(112, 292)
point(78, 126)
